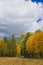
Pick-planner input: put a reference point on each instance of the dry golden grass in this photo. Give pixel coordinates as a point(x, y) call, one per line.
point(19, 61)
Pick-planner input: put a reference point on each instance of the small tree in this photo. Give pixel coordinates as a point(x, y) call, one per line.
point(3, 48)
point(13, 42)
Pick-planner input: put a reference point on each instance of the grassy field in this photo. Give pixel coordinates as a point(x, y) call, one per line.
point(19, 61)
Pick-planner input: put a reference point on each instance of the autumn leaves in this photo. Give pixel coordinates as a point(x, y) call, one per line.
point(29, 45)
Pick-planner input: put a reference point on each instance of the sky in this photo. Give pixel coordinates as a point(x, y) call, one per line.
point(20, 16)
point(37, 1)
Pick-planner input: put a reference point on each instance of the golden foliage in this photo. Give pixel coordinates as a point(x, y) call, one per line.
point(3, 47)
point(35, 43)
point(18, 49)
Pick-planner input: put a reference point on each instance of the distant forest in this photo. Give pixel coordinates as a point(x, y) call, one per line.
point(27, 45)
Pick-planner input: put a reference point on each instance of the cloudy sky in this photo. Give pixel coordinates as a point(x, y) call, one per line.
point(18, 16)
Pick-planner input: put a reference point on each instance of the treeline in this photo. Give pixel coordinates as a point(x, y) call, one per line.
point(29, 45)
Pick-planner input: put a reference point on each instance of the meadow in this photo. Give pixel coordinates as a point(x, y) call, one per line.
point(20, 61)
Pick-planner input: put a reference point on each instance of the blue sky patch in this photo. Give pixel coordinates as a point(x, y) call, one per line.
point(37, 1)
point(39, 20)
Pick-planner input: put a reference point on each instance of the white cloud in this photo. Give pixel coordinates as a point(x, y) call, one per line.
point(17, 16)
